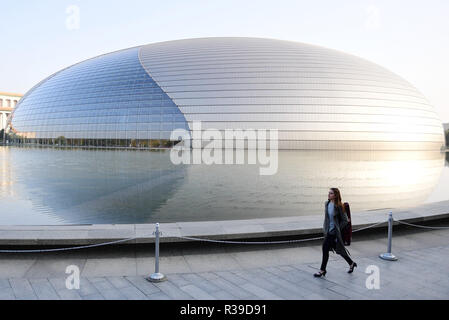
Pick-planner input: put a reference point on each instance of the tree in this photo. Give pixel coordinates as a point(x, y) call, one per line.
point(61, 141)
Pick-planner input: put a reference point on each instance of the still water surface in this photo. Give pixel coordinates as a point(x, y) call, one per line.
point(48, 186)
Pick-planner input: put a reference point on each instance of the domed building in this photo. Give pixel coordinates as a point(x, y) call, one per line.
point(316, 98)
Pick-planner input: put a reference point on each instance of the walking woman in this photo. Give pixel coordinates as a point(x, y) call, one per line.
point(335, 219)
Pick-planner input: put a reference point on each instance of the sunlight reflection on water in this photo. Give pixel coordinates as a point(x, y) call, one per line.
point(74, 186)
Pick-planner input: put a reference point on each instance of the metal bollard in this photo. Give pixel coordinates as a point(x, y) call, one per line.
point(156, 276)
point(389, 256)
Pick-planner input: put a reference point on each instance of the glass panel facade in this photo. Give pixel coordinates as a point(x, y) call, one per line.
point(107, 101)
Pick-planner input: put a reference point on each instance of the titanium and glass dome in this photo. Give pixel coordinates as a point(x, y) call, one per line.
point(317, 98)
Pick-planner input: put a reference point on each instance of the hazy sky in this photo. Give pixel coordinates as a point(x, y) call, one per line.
point(409, 37)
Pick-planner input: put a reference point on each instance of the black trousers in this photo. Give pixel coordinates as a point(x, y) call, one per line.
point(328, 244)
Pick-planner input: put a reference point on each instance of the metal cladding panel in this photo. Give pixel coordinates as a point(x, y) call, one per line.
point(307, 92)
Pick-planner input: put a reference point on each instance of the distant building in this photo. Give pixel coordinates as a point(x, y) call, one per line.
point(8, 101)
point(446, 126)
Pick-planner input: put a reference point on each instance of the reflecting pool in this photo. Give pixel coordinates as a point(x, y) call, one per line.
point(50, 186)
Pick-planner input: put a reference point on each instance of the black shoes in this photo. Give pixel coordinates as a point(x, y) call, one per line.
point(351, 268)
point(323, 273)
point(320, 274)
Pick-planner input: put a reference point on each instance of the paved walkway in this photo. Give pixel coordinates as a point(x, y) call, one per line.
point(206, 271)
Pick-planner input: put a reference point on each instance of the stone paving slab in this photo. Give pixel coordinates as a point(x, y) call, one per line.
point(143, 285)
point(207, 286)
point(22, 289)
point(196, 292)
point(95, 296)
point(87, 288)
point(234, 290)
point(172, 291)
point(119, 282)
point(43, 289)
point(4, 284)
point(133, 293)
point(95, 267)
point(7, 294)
point(15, 268)
point(259, 292)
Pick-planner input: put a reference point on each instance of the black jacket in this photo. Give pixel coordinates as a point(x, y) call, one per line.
point(340, 222)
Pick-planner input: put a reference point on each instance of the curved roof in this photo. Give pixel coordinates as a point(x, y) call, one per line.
point(316, 97)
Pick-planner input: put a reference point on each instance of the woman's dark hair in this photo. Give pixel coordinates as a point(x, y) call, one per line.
point(338, 201)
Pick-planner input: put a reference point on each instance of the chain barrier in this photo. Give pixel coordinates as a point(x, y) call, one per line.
point(206, 240)
point(268, 242)
point(248, 242)
point(418, 226)
point(369, 227)
point(70, 248)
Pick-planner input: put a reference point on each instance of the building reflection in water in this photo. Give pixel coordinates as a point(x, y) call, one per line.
point(74, 186)
point(6, 174)
point(368, 180)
